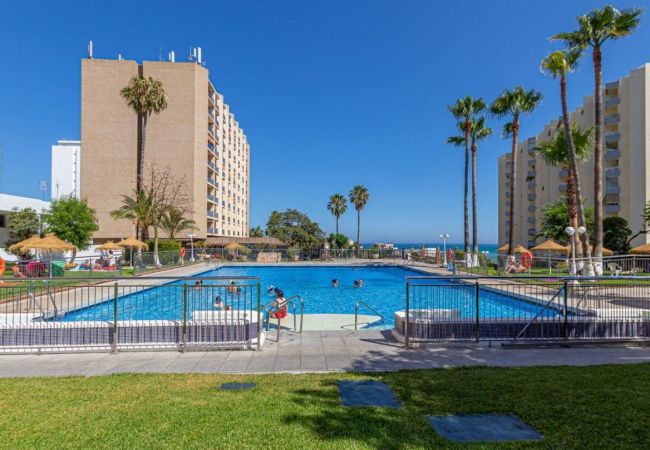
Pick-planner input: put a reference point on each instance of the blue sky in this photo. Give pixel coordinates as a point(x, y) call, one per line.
point(330, 93)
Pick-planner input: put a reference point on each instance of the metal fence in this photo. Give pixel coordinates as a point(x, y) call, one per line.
point(532, 308)
point(127, 314)
point(277, 255)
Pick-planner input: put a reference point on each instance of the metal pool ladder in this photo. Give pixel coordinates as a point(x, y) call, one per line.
point(271, 308)
point(367, 306)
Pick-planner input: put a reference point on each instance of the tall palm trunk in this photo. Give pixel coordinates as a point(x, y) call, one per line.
point(513, 181)
point(598, 156)
point(474, 213)
point(156, 258)
point(358, 226)
point(337, 224)
point(572, 207)
point(575, 176)
point(465, 200)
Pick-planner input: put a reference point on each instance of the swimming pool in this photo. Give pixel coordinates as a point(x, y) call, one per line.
point(384, 290)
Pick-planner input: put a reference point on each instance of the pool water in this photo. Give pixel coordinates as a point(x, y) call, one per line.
point(383, 289)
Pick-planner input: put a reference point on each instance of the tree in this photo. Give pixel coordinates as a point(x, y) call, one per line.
point(145, 96)
point(174, 222)
point(556, 219)
point(465, 109)
point(337, 205)
point(594, 29)
point(294, 229)
point(616, 234)
point(338, 241)
point(22, 224)
point(72, 220)
point(556, 153)
point(359, 196)
point(478, 132)
point(161, 193)
point(514, 103)
point(256, 232)
point(558, 64)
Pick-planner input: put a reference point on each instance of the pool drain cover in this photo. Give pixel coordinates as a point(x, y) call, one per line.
point(483, 427)
point(367, 393)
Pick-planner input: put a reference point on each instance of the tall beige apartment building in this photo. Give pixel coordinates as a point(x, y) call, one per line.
point(626, 166)
point(196, 137)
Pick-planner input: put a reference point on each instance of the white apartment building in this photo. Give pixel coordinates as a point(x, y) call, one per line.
point(66, 167)
point(626, 165)
point(9, 203)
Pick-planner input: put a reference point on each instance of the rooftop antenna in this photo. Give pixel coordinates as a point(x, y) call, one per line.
point(160, 53)
point(199, 54)
point(119, 57)
point(189, 58)
point(172, 56)
point(42, 186)
point(90, 49)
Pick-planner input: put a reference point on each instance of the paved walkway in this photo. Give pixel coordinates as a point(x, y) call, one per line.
point(315, 352)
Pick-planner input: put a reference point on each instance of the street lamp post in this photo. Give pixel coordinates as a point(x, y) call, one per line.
point(573, 234)
point(191, 236)
point(485, 259)
point(444, 237)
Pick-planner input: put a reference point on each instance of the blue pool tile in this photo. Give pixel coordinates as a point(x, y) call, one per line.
point(367, 393)
point(483, 428)
point(237, 386)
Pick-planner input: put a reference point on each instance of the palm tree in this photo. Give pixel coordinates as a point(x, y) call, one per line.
point(138, 208)
point(337, 205)
point(557, 152)
point(514, 103)
point(478, 132)
point(465, 109)
point(558, 64)
point(172, 222)
point(359, 197)
point(145, 96)
point(594, 29)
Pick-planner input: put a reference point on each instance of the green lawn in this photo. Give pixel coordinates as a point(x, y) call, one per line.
point(593, 407)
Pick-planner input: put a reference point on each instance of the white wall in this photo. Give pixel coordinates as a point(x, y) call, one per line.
point(65, 169)
point(7, 205)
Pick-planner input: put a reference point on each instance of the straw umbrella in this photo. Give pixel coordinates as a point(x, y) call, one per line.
point(606, 251)
point(641, 250)
point(234, 248)
point(25, 244)
point(549, 247)
point(110, 245)
point(131, 243)
point(51, 243)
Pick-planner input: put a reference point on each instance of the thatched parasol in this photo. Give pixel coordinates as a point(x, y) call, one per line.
point(503, 249)
point(51, 243)
point(549, 247)
point(606, 251)
point(641, 250)
point(110, 245)
point(235, 248)
point(24, 245)
point(132, 242)
point(521, 250)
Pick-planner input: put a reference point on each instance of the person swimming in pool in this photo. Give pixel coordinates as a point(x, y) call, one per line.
point(335, 283)
point(356, 284)
point(360, 282)
point(218, 303)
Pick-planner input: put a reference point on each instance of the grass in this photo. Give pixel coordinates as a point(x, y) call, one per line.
point(573, 407)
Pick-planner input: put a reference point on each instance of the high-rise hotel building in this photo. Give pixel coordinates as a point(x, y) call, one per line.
point(196, 137)
point(626, 165)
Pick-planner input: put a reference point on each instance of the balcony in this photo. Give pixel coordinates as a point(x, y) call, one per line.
point(612, 154)
point(532, 232)
point(531, 208)
point(212, 181)
point(612, 172)
point(508, 194)
point(212, 198)
point(612, 137)
point(508, 164)
point(508, 184)
point(531, 220)
point(612, 189)
point(563, 173)
point(562, 187)
point(612, 119)
point(211, 146)
point(532, 173)
point(531, 163)
point(212, 230)
point(612, 102)
point(532, 185)
point(212, 165)
point(211, 214)
point(612, 208)
point(612, 84)
point(532, 197)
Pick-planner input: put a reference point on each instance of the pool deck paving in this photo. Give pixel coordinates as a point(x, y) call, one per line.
point(317, 351)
